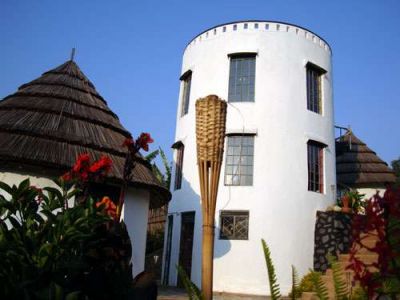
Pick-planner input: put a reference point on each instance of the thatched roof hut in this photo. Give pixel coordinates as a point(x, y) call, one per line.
point(49, 121)
point(357, 166)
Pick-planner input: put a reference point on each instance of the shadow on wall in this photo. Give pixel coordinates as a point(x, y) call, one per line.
point(190, 257)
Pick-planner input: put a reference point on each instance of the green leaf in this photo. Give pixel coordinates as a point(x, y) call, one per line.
point(73, 296)
point(273, 282)
point(193, 291)
point(295, 283)
point(339, 283)
point(6, 187)
point(152, 155)
point(319, 286)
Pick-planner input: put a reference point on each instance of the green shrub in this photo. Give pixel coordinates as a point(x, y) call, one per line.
point(49, 250)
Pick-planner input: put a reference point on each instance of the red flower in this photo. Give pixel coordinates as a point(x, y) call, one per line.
point(144, 140)
point(67, 176)
point(103, 164)
point(82, 162)
point(108, 206)
point(129, 142)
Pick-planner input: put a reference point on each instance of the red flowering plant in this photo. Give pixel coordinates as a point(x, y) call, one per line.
point(133, 147)
point(381, 221)
point(84, 170)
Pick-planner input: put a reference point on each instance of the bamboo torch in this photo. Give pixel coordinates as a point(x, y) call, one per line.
point(210, 135)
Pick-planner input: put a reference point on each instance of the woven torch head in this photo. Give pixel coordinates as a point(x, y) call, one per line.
point(210, 128)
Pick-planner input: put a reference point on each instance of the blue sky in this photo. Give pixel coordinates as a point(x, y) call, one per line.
point(132, 50)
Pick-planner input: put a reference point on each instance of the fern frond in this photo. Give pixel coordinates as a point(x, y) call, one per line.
point(295, 283)
point(319, 286)
point(193, 291)
point(273, 282)
point(340, 286)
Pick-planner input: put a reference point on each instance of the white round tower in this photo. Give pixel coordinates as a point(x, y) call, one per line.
point(279, 160)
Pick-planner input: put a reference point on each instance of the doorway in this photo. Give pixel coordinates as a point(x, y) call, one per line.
point(186, 243)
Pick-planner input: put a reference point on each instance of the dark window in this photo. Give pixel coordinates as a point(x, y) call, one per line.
point(186, 80)
point(241, 78)
point(239, 160)
point(314, 88)
point(178, 166)
point(234, 225)
point(315, 153)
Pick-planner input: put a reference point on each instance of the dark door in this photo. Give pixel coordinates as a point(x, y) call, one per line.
point(186, 243)
point(168, 249)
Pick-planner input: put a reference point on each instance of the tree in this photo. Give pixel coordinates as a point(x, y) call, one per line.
point(396, 168)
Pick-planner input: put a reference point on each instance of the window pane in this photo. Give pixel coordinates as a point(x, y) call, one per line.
point(239, 160)
point(186, 94)
point(315, 166)
point(234, 225)
point(241, 79)
point(314, 97)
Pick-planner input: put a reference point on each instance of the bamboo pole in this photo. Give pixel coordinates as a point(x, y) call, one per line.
point(210, 135)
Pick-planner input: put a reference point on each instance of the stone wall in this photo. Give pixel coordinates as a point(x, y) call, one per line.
point(332, 235)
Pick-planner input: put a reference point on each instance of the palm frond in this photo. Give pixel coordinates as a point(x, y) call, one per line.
point(273, 282)
point(167, 167)
point(193, 291)
point(295, 283)
point(152, 155)
point(340, 286)
point(319, 286)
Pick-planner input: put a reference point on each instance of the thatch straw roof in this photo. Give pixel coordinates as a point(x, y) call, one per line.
point(358, 166)
point(49, 121)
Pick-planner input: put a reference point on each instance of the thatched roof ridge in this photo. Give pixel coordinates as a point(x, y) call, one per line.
point(51, 120)
point(358, 166)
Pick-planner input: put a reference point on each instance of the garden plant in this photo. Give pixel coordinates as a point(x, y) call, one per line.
point(59, 242)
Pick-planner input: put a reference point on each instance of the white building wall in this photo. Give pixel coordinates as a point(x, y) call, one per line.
point(135, 216)
point(281, 209)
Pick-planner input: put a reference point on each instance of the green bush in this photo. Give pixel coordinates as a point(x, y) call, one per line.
point(50, 250)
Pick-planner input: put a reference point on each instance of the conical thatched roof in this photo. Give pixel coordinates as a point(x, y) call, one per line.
point(49, 121)
point(359, 166)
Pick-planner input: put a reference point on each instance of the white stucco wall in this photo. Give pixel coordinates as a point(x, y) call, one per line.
point(281, 209)
point(14, 178)
point(135, 215)
point(370, 192)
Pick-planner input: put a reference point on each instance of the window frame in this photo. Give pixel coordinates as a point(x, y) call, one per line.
point(315, 165)
point(235, 78)
point(231, 157)
point(186, 80)
point(234, 214)
point(180, 149)
point(314, 88)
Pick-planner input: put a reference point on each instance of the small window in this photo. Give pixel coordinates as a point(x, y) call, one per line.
point(224, 29)
point(234, 225)
point(234, 27)
point(315, 158)
point(242, 78)
point(256, 26)
point(186, 82)
point(239, 160)
point(246, 26)
point(266, 26)
point(314, 88)
point(178, 165)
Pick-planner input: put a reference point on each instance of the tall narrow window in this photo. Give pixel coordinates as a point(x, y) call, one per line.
point(315, 155)
point(186, 79)
point(234, 225)
point(242, 77)
point(314, 88)
point(239, 160)
point(178, 165)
